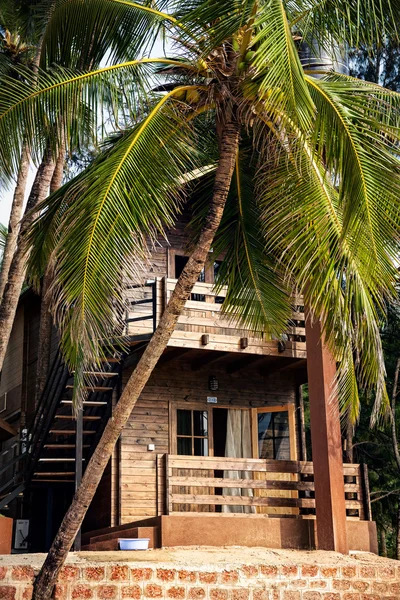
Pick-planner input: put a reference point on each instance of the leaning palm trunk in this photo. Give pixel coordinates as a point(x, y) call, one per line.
point(46, 320)
point(73, 519)
point(16, 274)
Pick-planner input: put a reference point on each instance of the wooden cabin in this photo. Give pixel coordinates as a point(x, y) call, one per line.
point(214, 451)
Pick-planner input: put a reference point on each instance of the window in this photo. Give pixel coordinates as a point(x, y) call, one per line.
point(216, 266)
point(192, 432)
point(274, 433)
point(180, 263)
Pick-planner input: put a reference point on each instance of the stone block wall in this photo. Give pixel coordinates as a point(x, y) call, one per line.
point(120, 580)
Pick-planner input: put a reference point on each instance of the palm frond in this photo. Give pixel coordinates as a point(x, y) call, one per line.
point(99, 227)
point(303, 220)
point(356, 134)
point(85, 33)
point(349, 23)
point(30, 106)
point(279, 74)
point(257, 298)
point(212, 23)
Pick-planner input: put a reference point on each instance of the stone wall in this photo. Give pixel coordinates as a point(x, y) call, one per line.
point(274, 576)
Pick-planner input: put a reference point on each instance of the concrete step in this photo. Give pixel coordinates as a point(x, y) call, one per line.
point(109, 541)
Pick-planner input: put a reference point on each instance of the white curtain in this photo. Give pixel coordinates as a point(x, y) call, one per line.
point(238, 445)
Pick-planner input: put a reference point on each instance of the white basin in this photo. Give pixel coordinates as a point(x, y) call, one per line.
point(133, 543)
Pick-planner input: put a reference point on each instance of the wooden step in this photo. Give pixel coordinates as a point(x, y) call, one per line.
point(70, 432)
point(92, 388)
point(86, 403)
point(147, 522)
point(56, 446)
point(101, 374)
point(53, 480)
point(54, 459)
point(54, 474)
point(72, 418)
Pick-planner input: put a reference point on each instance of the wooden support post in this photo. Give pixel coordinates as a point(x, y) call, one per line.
point(78, 465)
point(326, 443)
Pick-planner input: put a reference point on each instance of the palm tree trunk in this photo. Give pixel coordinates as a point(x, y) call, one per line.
point(17, 210)
point(395, 444)
point(349, 452)
point(398, 531)
point(16, 274)
point(17, 207)
point(383, 542)
point(229, 143)
point(46, 320)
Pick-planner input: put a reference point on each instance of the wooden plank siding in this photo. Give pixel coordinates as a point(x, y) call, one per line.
point(142, 472)
point(11, 377)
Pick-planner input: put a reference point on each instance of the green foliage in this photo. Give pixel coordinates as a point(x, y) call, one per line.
point(313, 205)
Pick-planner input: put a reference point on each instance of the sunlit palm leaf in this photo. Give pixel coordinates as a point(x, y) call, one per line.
point(280, 76)
point(303, 223)
point(30, 107)
point(350, 136)
point(83, 33)
point(353, 23)
point(123, 202)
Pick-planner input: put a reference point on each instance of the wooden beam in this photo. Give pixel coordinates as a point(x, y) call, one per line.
point(243, 362)
point(172, 355)
point(207, 359)
point(326, 442)
point(283, 365)
point(8, 428)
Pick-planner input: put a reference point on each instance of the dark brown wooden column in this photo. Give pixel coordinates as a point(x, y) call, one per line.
point(326, 443)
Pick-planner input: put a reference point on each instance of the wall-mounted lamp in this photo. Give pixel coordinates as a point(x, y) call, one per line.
point(281, 346)
point(244, 342)
point(205, 338)
point(213, 383)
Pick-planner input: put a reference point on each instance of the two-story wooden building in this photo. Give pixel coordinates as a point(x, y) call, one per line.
point(213, 453)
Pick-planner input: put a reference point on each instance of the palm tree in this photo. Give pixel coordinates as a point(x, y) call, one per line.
point(296, 177)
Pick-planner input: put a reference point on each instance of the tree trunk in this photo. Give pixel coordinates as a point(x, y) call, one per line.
point(382, 533)
point(398, 531)
point(46, 320)
point(349, 452)
point(17, 210)
point(229, 143)
point(17, 207)
point(16, 274)
point(393, 416)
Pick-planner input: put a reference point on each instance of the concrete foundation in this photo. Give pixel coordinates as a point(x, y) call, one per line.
point(257, 531)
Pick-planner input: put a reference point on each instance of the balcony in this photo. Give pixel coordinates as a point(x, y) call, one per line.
point(275, 488)
point(202, 324)
point(213, 501)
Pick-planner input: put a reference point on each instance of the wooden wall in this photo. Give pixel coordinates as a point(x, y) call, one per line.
point(149, 421)
point(11, 376)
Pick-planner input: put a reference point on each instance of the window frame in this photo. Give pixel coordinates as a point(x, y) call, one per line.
point(289, 408)
point(173, 425)
point(173, 429)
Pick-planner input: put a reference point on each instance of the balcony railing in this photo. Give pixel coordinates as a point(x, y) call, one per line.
point(203, 325)
point(271, 487)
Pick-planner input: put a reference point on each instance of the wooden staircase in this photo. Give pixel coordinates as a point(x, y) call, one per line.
point(61, 446)
point(59, 443)
point(54, 446)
